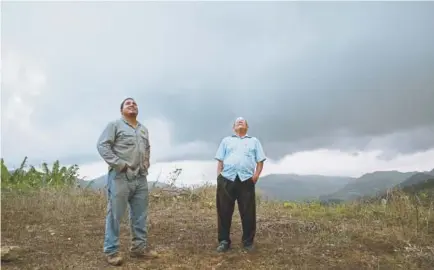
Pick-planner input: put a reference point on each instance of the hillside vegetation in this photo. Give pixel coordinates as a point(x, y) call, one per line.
point(294, 187)
point(59, 226)
point(374, 184)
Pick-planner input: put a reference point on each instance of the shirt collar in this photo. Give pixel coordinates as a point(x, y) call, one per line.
point(126, 122)
point(245, 136)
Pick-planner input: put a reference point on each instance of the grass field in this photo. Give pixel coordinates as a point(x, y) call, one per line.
point(58, 228)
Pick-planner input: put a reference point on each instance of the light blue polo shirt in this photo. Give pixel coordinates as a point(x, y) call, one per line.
point(240, 156)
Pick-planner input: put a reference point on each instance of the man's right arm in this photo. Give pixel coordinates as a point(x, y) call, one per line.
point(220, 156)
point(104, 146)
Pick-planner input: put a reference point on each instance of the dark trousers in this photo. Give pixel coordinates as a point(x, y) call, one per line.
point(244, 193)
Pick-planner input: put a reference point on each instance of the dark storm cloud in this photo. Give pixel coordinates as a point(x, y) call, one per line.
point(371, 81)
point(306, 75)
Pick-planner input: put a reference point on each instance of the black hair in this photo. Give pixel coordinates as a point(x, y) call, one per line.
point(123, 102)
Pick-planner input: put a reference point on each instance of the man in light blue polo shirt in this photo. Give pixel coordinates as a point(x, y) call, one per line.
point(240, 161)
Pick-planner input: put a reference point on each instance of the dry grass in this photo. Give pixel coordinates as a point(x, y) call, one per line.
point(64, 230)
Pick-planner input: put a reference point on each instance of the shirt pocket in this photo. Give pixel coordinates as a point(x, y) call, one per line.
point(126, 139)
point(249, 152)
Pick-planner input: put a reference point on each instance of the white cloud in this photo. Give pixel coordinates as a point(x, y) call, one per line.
point(331, 162)
point(23, 79)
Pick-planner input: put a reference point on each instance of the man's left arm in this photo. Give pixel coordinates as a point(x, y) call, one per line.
point(147, 151)
point(260, 158)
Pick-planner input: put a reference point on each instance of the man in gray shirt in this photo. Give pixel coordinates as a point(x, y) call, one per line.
point(124, 146)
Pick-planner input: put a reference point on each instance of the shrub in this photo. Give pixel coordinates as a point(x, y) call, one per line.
point(29, 178)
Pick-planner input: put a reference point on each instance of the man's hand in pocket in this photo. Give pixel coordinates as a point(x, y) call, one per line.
point(255, 179)
point(125, 168)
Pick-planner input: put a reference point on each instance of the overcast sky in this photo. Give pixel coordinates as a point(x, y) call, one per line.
point(335, 76)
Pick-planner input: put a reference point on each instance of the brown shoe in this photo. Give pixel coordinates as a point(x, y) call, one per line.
point(115, 259)
point(146, 254)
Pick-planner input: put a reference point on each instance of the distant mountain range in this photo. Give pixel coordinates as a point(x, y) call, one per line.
point(419, 184)
point(416, 179)
point(376, 183)
point(293, 187)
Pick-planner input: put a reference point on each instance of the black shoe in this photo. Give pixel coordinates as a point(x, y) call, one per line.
point(248, 247)
point(223, 246)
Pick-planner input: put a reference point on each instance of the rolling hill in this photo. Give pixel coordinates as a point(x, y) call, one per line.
point(294, 187)
point(424, 190)
point(376, 183)
point(415, 180)
point(418, 188)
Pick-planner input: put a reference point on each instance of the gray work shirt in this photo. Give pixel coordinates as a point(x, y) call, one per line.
point(120, 144)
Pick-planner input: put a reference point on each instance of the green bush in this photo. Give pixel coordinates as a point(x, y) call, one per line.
point(28, 177)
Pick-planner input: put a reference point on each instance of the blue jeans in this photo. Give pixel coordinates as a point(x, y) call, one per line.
point(123, 191)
